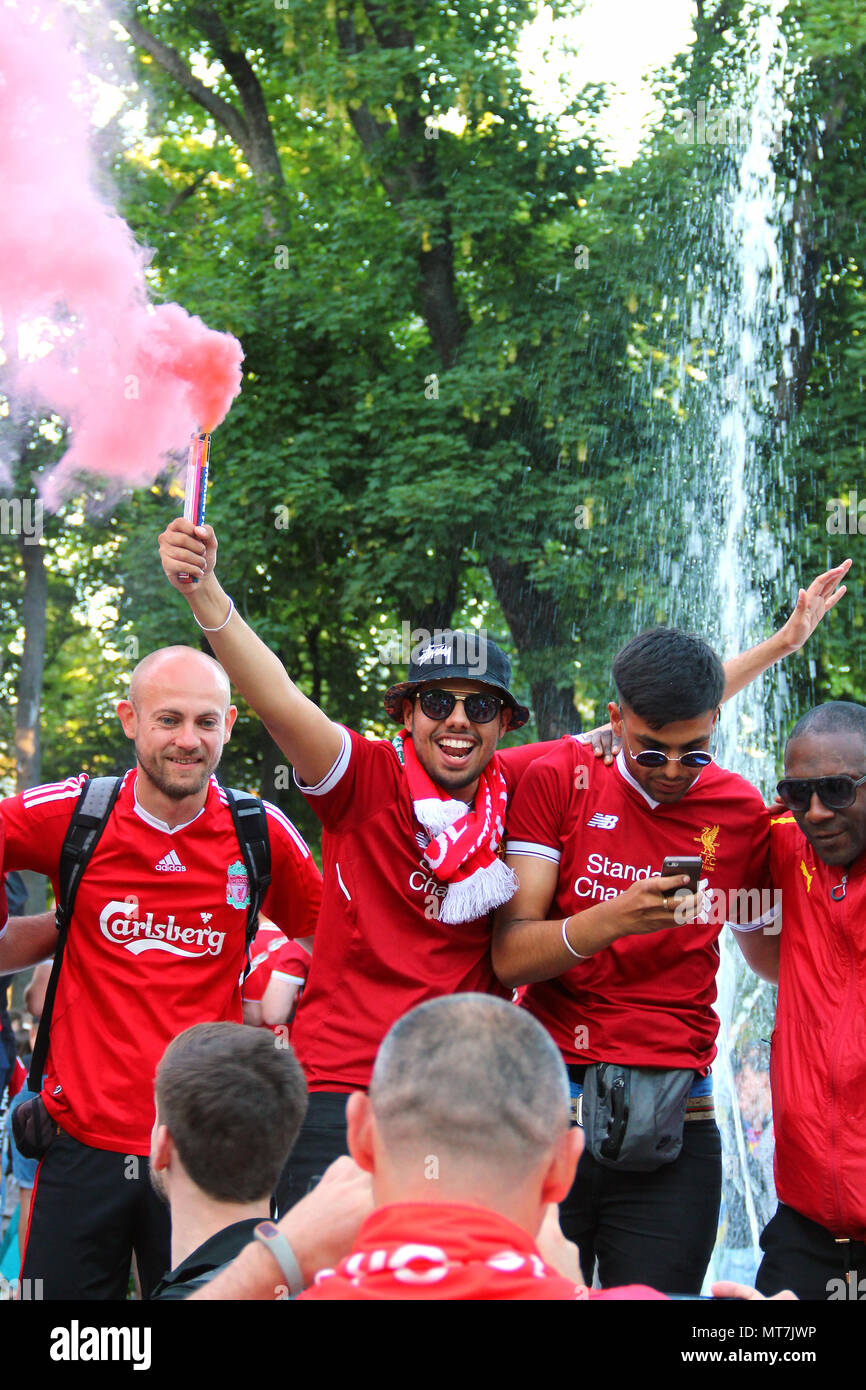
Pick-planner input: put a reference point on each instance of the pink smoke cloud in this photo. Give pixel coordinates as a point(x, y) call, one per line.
point(131, 380)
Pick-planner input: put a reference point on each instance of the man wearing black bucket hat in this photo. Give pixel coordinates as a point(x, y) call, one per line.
point(412, 829)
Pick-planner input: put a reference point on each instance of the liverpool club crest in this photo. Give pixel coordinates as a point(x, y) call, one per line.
point(237, 886)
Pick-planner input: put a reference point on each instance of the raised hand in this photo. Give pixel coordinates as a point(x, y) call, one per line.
point(187, 549)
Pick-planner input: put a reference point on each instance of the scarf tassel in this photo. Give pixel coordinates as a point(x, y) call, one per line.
point(476, 895)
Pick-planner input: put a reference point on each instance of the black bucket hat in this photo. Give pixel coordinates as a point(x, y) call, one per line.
point(457, 656)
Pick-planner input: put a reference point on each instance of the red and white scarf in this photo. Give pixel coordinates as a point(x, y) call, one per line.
point(462, 852)
point(428, 1250)
point(451, 1251)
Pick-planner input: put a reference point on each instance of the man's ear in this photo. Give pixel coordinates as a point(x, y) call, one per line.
point(564, 1159)
point(231, 716)
point(128, 717)
point(161, 1148)
point(504, 720)
point(615, 713)
point(359, 1129)
point(408, 712)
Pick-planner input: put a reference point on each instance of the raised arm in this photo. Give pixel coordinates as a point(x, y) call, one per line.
point(811, 606)
point(309, 739)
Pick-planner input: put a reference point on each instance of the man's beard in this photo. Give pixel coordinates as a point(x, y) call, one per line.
point(157, 1182)
point(171, 789)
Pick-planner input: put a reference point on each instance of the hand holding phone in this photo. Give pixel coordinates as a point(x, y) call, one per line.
point(688, 864)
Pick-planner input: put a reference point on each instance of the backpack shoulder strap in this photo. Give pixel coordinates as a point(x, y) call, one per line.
point(87, 822)
point(251, 827)
point(91, 813)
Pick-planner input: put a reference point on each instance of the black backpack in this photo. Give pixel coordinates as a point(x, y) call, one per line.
point(89, 818)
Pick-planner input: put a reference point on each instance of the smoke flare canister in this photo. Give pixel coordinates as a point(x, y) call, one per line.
point(195, 497)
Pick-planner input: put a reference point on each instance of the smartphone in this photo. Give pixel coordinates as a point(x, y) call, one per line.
point(689, 864)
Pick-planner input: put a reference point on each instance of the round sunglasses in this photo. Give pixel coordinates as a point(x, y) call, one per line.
point(478, 707)
point(654, 757)
point(833, 792)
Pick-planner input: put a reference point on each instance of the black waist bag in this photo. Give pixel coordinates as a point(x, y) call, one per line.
point(633, 1116)
point(33, 1129)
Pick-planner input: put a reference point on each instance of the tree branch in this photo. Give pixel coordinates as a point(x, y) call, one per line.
point(171, 62)
point(181, 197)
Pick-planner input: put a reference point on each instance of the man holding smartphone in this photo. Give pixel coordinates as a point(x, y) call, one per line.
point(620, 970)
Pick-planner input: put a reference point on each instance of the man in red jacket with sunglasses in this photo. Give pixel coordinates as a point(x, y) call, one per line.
point(816, 1242)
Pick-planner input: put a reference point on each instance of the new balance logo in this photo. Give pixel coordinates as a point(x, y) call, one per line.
point(602, 822)
point(171, 864)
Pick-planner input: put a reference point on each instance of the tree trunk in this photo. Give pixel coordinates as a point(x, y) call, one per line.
point(533, 619)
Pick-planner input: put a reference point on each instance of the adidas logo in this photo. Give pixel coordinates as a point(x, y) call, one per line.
point(171, 864)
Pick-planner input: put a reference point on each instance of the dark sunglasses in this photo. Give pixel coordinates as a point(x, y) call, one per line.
point(651, 757)
point(478, 707)
point(654, 757)
point(833, 792)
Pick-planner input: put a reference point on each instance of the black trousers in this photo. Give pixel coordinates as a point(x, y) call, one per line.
point(802, 1256)
point(654, 1228)
point(320, 1142)
point(91, 1209)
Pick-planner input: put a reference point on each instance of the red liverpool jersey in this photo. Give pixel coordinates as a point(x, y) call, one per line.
point(646, 1000)
point(156, 944)
point(381, 948)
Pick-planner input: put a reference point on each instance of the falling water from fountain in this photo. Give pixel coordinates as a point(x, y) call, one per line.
point(723, 477)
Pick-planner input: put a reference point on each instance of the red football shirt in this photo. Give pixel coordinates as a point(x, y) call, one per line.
point(381, 948)
point(156, 944)
point(271, 954)
point(646, 1000)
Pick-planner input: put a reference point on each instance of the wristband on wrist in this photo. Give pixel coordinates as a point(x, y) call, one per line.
point(279, 1249)
point(567, 944)
point(223, 623)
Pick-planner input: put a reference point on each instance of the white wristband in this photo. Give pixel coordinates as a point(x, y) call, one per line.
point(567, 944)
point(222, 624)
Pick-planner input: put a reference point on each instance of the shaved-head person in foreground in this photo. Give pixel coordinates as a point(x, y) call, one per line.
point(156, 943)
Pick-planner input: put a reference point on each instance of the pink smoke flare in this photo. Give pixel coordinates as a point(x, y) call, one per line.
point(132, 381)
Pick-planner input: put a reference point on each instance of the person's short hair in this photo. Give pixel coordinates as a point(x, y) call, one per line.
point(667, 675)
point(233, 1100)
point(834, 717)
point(472, 1080)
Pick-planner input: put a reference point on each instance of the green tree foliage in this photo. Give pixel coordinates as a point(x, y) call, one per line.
point(465, 338)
